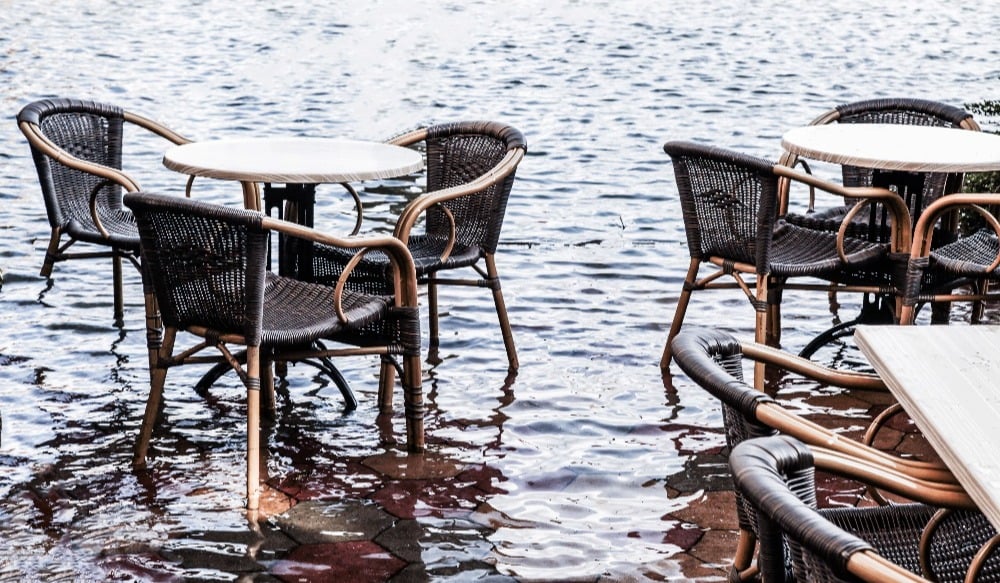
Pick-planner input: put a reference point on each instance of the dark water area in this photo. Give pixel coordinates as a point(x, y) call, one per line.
point(566, 469)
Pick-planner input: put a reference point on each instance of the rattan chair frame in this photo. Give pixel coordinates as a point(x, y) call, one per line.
point(449, 196)
point(304, 312)
point(752, 262)
point(106, 225)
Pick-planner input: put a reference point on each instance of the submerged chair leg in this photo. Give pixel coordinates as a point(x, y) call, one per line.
point(253, 427)
point(679, 311)
point(505, 329)
point(119, 290)
point(50, 253)
point(432, 310)
point(157, 379)
point(413, 403)
point(386, 382)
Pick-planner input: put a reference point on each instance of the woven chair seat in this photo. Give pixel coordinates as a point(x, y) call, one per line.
point(296, 312)
point(120, 226)
point(969, 256)
point(800, 251)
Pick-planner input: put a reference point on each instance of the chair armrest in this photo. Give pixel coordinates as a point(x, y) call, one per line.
point(155, 127)
point(811, 370)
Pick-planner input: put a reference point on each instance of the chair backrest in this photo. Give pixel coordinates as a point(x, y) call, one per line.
point(459, 153)
point(87, 130)
point(902, 111)
point(728, 202)
point(206, 263)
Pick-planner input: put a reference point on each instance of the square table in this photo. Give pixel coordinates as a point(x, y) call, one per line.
point(948, 379)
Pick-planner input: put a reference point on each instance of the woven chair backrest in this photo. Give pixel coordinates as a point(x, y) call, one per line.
point(904, 111)
point(728, 202)
point(207, 263)
point(459, 153)
point(89, 131)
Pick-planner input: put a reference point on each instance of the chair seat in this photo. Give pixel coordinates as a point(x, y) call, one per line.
point(119, 224)
point(296, 312)
point(968, 256)
point(427, 252)
point(797, 251)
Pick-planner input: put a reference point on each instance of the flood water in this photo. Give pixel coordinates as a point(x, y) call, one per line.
point(567, 466)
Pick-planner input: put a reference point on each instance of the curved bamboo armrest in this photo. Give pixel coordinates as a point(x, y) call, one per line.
point(155, 127)
point(403, 271)
point(900, 225)
point(419, 205)
point(809, 369)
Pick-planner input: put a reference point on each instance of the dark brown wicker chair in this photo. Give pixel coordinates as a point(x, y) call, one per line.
point(470, 171)
point(972, 260)
point(870, 225)
point(77, 147)
point(729, 204)
point(905, 542)
point(204, 270)
point(714, 360)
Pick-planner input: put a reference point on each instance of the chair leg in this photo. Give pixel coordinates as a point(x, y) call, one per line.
point(679, 311)
point(432, 310)
point(157, 379)
point(386, 382)
point(268, 400)
point(501, 306)
point(50, 253)
point(413, 399)
point(761, 308)
point(253, 427)
point(119, 291)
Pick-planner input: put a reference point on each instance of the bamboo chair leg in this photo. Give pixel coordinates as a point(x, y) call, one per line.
point(157, 380)
point(679, 311)
point(253, 427)
point(268, 401)
point(119, 291)
point(432, 310)
point(386, 382)
point(761, 309)
point(501, 306)
point(50, 253)
point(743, 560)
point(413, 404)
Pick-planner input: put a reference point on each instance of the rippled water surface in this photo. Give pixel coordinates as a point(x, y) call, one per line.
point(568, 463)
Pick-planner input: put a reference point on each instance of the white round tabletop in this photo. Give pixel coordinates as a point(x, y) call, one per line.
point(292, 160)
point(897, 147)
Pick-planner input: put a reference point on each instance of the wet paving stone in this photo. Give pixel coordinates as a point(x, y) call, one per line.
point(355, 561)
point(316, 521)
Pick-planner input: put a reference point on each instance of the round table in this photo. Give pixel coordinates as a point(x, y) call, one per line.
point(897, 147)
point(291, 161)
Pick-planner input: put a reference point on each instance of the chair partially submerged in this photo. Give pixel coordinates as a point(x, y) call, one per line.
point(714, 360)
point(77, 147)
point(204, 273)
point(905, 542)
point(729, 203)
point(470, 172)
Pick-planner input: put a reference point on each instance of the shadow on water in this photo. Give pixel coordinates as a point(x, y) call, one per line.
point(589, 465)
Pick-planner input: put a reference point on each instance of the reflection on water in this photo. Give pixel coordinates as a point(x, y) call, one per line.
point(572, 470)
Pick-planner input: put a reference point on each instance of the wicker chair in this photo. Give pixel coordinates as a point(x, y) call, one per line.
point(470, 171)
point(729, 205)
point(77, 147)
point(886, 543)
point(927, 188)
point(204, 270)
point(972, 260)
point(714, 361)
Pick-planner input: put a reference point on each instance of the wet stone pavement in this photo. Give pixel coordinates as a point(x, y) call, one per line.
point(386, 517)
